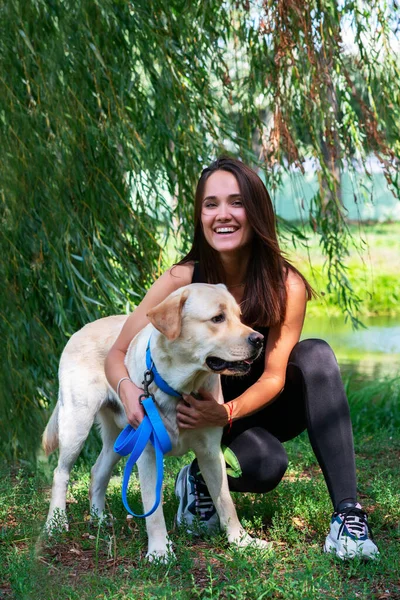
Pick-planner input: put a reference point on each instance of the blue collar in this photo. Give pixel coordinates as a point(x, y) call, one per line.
point(158, 380)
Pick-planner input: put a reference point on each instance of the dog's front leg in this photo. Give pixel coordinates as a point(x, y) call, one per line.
point(212, 466)
point(159, 545)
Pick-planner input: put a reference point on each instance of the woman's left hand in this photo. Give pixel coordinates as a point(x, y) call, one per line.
point(207, 412)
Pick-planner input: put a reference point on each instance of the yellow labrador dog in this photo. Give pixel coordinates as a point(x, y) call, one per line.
point(196, 334)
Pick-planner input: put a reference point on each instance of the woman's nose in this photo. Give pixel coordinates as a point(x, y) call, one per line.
point(223, 211)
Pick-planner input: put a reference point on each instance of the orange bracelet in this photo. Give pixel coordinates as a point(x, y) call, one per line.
point(230, 407)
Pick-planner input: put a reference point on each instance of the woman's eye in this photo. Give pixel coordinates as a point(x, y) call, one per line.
point(237, 203)
point(218, 318)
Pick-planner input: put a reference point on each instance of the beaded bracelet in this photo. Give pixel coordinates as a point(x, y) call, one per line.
point(230, 408)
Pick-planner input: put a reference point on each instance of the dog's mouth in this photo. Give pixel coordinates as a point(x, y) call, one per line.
point(218, 365)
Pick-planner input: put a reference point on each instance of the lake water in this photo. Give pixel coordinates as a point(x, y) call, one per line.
point(373, 352)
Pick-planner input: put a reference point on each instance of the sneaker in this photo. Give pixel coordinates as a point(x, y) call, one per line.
point(196, 509)
point(348, 535)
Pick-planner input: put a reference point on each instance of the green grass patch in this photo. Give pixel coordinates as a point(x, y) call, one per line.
point(107, 562)
point(372, 269)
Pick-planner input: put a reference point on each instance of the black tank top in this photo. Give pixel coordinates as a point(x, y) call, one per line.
point(234, 386)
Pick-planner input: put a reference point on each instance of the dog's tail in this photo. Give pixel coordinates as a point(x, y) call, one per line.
point(50, 434)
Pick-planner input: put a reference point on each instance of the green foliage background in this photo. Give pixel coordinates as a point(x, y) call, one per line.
point(106, 105)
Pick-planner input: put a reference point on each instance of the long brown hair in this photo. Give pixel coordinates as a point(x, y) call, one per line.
point(264, 299)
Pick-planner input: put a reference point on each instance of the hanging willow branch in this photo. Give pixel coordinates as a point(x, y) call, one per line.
point(324, 102)
point(108, 112)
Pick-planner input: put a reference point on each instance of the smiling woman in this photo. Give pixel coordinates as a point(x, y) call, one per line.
point(292, 386)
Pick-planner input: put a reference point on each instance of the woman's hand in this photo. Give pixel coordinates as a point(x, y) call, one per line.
point(129, 394)
point(207, 412)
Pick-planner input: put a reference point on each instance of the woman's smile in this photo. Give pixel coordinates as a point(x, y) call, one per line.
point(226, 230)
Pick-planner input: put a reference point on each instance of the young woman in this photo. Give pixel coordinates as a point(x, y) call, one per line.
point(293, 386)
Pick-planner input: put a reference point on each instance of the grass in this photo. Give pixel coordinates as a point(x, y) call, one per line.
point(108, 563)
point(372, 270)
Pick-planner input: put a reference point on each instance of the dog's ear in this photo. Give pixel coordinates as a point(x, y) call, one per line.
point(167, 316)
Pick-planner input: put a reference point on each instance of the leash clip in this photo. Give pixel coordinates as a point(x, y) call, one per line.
point(148, 379)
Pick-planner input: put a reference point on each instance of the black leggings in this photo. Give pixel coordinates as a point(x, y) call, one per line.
point(314, 399)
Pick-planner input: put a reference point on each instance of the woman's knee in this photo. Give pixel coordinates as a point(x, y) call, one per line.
point(263, 480)
point(314, 356)
point(263, 461)
point(273, 474)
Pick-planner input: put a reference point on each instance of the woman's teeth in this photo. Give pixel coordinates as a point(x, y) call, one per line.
point(225, 230)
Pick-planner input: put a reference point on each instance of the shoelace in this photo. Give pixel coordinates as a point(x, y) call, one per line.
point(355, 520)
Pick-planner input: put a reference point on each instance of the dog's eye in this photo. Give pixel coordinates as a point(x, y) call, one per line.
point(218, 318)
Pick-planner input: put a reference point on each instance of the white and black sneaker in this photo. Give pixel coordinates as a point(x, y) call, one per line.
point(196, 510)
point(349, 534)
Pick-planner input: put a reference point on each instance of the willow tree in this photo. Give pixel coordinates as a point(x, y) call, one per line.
point(109, 110)
point(329, 83)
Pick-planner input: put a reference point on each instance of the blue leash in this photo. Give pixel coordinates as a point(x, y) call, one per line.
point(133, 441)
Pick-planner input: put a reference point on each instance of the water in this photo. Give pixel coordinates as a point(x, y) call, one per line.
point(369, 353)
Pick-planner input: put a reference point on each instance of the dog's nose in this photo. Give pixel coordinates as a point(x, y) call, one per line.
point(256, 339)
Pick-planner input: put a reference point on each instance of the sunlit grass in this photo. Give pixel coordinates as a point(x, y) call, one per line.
point(372, 270)
point(108, 562)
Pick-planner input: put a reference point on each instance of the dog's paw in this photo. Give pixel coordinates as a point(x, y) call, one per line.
point(56, 523)
point(162, 554)
point(102, 519)
point(260, 544)
point(245, 541)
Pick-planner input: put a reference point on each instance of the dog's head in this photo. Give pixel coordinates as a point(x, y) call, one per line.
point(203, 322)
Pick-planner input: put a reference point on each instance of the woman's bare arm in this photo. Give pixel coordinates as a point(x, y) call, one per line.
point(281, 340)
point(114, 366)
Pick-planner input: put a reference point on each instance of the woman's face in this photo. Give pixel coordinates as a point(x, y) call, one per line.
point(223, 216)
